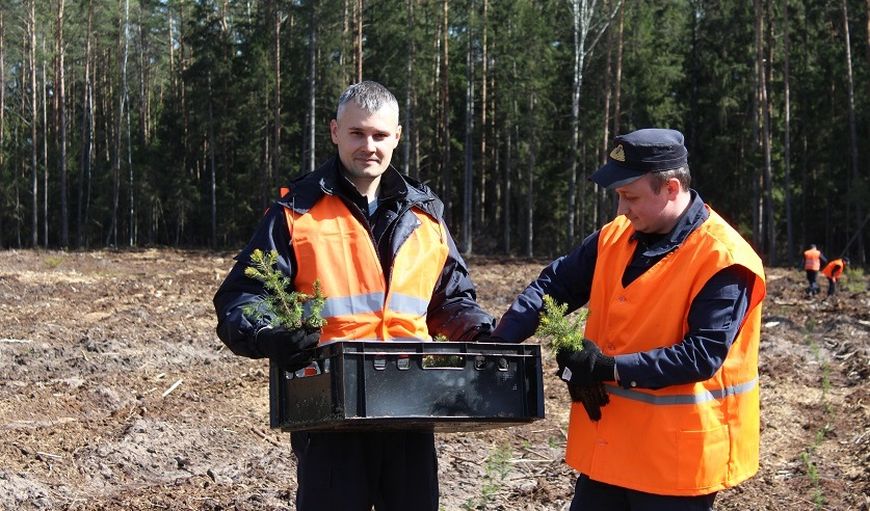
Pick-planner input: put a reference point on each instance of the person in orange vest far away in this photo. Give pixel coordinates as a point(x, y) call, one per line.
point(674, 298)
point(813, 261)
point(377, 243)
point(833, 271)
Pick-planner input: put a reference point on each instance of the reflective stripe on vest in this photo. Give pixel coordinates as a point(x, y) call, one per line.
point(812, 259)
point(332, 247)
point(689, 439)
point(684, 399)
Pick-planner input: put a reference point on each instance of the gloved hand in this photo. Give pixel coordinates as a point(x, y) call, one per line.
point(587, 366)
point(592, 397)
point(584, 371)
point(290, 349)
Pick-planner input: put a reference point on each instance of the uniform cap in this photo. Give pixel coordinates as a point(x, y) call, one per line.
point(640, 152)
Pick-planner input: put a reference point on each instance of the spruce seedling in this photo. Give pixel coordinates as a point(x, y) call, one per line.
point(284, 307)
point(566, 335)
point(563, 334)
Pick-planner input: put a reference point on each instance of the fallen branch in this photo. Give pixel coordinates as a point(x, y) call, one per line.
point(265, 437)
point(15, 341)
point(171, 388)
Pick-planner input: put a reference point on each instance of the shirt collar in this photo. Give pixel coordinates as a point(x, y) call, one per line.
point(692, 217)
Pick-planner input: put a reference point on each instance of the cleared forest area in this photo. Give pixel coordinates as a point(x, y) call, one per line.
point(116, 394)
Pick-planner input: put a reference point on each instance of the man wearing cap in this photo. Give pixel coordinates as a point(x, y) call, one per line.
point(674, 298)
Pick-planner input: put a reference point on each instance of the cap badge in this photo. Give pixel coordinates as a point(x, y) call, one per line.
point(618, 153)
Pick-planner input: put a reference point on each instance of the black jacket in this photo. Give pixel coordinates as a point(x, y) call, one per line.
point(453, 309)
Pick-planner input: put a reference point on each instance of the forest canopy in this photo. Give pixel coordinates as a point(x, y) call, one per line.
point(175, 122)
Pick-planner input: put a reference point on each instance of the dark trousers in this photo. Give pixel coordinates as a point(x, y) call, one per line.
point(353, 471)
point(832, 286)
point(592, 495)
point(811, 280)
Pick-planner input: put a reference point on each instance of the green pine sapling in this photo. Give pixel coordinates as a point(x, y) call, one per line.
point(566, 336)
point(563, 334)
point(284, 307)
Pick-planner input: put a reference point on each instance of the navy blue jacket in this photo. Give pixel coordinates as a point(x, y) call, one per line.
point(453, 310)
point(714, 316)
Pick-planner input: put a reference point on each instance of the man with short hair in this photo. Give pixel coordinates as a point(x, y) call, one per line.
point(376, 243)
point(674, 297)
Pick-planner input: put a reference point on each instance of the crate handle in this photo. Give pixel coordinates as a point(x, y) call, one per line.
point(380, 363)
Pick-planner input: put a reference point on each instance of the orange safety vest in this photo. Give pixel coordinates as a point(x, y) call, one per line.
point(690, 439)
point(333, 247)
point(812, 259)
point(834, 269)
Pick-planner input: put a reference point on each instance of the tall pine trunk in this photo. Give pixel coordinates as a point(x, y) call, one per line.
point(597, 214)
point(853, 133)
point(484, 120)
point(112, 235)
point(34, 122)
point(312, 88)
point(87, 137)
point(757, 216)
point(358, 39)
point(131, 235)
point(506, 192)
point(769, 220)
point(444, 115)
point(577, 7)
point(408, 124)
point(45, 141)
point(61, 112)
point(468, 178)
point(530, 180)
point(786, 85)
point(274, 167)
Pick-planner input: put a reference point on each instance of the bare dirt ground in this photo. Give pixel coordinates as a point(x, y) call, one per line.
point(115, 393)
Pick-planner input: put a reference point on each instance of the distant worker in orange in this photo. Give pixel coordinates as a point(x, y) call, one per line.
point(834, 270)
point(813, 261)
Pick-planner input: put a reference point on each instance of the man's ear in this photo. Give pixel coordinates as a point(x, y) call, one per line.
point(674, 188)
point(333, 131)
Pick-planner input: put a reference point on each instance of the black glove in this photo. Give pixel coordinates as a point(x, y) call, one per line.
point(592, 397)
point(290, 349)
point(584, 371)
point(587, 366)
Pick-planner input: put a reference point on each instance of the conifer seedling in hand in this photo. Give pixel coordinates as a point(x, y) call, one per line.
point(281, 305)
point(566, 335)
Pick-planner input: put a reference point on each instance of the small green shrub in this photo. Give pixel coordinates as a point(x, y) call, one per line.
point(53, 261)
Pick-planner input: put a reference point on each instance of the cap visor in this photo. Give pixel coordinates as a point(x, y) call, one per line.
point(612, 175)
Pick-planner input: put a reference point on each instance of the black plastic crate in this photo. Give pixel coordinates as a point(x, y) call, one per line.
point(441, 386)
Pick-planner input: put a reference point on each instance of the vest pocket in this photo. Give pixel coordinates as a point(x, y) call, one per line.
point(702, 458)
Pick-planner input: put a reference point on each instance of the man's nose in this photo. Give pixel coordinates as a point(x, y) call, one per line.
point(621, 208)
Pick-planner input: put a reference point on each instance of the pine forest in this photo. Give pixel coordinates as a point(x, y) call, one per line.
point(174, 122)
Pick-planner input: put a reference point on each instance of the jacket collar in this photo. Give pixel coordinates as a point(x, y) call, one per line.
point(329, 179)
